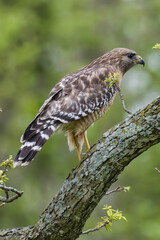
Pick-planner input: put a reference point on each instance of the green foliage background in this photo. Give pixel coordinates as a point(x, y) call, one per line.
point(40, 42)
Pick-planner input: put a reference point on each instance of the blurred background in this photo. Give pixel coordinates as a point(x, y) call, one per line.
point(42, 41)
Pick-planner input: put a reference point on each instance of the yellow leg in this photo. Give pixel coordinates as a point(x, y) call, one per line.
point(86, 141)
point(78, 150)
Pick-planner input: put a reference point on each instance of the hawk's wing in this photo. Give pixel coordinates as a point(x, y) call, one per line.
point(75, 96)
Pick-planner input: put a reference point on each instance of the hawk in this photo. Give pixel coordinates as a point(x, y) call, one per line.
point(77, 101)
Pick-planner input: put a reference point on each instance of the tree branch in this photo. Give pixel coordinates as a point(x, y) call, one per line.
point(8, 199)
point(117, 189)
point(157, 170)
point(65, 216)
point(122, 100)
point(96, 228)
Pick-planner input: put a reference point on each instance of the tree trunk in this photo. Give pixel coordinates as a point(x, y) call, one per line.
point(65, 216)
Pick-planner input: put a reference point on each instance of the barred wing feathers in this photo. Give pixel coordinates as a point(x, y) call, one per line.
point(74, 97)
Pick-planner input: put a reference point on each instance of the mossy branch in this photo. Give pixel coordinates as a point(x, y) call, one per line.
point(65, 216)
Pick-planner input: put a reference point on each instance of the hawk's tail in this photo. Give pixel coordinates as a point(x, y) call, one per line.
point(31, 146)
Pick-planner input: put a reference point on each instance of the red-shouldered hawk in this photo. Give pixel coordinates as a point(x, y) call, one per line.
point(77, 101)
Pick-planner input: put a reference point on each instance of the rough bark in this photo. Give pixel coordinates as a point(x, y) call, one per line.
point(68, 211)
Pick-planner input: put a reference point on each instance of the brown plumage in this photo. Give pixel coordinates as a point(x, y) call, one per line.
point(76, 101)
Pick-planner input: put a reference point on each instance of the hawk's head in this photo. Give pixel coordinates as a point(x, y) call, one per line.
point(124, 58)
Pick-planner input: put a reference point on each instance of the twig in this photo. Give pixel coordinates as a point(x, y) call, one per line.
point(157, 170)
point(7, 190)
point(8, 199)
point(5, 168)
point(118, 189)
point(122, 100)
point(2, 204)
point(96, 228)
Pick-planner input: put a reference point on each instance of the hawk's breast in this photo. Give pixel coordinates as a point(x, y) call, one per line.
point(77, 127)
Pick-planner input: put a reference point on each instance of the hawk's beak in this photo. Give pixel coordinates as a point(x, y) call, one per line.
point(140, 61)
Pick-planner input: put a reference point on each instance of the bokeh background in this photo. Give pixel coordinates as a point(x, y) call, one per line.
point(40, 42)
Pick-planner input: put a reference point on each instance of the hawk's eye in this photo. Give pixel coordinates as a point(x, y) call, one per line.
point(130, 55)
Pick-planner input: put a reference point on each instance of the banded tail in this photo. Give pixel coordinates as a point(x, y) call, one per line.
point(33, 140)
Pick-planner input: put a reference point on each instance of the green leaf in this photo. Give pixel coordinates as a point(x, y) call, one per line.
point(1, 172)
point(112, 78)
point(124, 218)
point(127, 189)
point(106, 207)
point(8, 162)
point(108, 227)
point(109, 212)
point(156, 46)
point(113, 215)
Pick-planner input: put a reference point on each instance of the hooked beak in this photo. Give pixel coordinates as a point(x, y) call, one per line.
point(140, 60)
